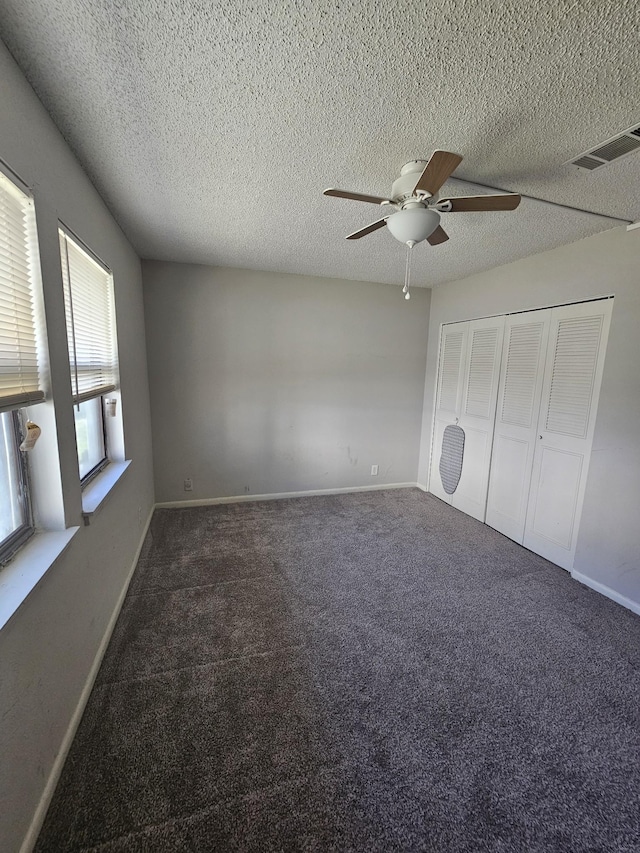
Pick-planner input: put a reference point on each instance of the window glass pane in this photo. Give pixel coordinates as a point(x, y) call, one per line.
point(89, 435)
point(12, 514)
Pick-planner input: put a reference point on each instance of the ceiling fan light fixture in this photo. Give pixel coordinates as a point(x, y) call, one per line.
point(414, 224)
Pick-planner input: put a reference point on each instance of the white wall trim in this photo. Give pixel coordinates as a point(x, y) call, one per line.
point(629, 603)
point(233, 499)
point(45, 800)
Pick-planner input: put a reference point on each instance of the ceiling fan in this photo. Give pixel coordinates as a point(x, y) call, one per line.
point(417, 208)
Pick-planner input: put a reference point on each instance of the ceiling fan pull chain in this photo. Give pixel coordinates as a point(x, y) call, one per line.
point(407, 271)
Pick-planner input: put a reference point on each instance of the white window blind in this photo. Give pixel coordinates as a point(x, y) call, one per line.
point(88, 297)
point(20, 376)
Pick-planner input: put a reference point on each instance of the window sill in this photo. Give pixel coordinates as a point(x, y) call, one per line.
point(98, 490)
point(28, 567)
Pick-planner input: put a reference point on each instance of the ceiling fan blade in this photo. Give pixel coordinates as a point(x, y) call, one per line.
point(371, 199)
point(364, 231)
point(437, 170)
point(464, 204)
point(438, 236)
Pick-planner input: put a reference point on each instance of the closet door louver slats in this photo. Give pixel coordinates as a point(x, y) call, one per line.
point(481, 380)
point(573, 375)
point(451, 354)
point(521, 374)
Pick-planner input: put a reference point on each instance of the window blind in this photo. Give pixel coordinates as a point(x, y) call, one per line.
point(20, 379)
point(88, 299)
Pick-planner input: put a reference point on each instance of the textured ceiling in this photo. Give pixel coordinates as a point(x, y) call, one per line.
point(211, 128)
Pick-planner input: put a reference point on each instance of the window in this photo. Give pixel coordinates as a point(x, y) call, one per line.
point(90, 436)
point(15, 508)
point(20, 358)
point(88, 295)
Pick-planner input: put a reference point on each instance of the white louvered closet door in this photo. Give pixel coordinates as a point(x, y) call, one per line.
point(453, 342)
point(477, 413)
point(571, 386)
point(516, 430)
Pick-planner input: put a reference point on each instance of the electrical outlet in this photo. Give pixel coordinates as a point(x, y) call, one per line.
point(374, 470)
point(188, 485)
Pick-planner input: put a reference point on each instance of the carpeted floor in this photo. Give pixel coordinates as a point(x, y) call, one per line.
point(365, 672)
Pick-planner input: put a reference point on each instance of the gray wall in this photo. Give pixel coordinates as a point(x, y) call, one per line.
point(264, 383)
point(48, 646)
point(608, 550)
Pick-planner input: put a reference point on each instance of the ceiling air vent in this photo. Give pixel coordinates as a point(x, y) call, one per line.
point(587, 162)
point(614, 148)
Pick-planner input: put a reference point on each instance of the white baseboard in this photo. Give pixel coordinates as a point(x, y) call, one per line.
point(422, 487)
point(280, 495)
point(629, 603)
point(45, 800)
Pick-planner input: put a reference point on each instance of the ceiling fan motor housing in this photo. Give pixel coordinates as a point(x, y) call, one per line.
point(402, 188)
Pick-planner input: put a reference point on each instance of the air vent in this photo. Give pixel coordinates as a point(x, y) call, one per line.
point(612, 149)
point(588, 163)
point(617, 148)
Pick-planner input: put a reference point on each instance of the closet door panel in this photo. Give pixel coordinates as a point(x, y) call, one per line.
point(573, 373)
point(524, 351)
point(471, 494)
point(558, 475)
point(478, 410)
point(453, 342)
point(510, 475)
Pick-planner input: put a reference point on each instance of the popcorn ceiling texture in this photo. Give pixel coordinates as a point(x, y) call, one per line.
point(211, 129)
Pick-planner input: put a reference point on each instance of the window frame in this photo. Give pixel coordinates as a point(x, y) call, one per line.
point(71, 237)
point(12, 543)
point(12, 406)
point(102, 464)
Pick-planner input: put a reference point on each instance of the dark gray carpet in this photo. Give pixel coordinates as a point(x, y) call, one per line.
point(368, 672)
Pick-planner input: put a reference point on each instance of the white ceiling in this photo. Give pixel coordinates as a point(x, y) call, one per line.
point(211, 128)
